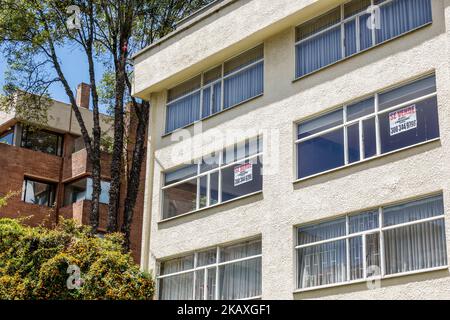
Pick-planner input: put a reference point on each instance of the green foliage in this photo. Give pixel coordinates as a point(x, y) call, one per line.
point(34, 264)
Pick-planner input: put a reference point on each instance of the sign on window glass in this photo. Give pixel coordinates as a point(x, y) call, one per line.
point(403, 120)
point(243, 174)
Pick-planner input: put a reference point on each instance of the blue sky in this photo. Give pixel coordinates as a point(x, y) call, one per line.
point(75, 68)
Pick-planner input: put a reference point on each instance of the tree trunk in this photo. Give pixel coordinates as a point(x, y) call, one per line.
point(142, 113)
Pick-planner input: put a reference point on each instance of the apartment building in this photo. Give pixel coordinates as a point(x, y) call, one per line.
point(49, 173)
point(335, 184)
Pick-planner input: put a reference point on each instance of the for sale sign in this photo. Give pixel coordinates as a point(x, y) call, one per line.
point(403, 120)
point(243, 174)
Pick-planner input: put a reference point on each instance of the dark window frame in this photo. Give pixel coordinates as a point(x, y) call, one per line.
point(59, 147)
point(53, 190)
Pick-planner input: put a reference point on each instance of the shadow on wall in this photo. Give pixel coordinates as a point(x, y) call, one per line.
point(369, 164)
point(360, 290)
point(232, 205)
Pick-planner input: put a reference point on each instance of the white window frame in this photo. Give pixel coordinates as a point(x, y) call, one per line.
point(211, 85)
point(221, 166)
point(376, 114)
point(206, 268)
point(342, 26)
point(380, 231)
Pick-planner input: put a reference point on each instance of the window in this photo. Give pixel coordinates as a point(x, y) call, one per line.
point(383, 242)
point(222, 273)
point(7, 137)
point(82, 190)
point(235, 81)
point(346, 30)
point(40, 193)
point(43, 141)
point(388, 121)
point(220, 177)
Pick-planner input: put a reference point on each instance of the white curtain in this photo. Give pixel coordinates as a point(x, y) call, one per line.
point(322, 264)
point(400, 16)
point(244, 85)
point(240, 280)
point(183, 112)
point(419, 246)
point(178, 287)
point(319, 51)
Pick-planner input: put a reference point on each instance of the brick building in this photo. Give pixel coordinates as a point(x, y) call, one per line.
point(49, 172)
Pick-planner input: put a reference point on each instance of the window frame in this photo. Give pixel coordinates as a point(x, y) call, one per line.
point(10, 131)
point(220, 167)
point(379, 231)
point(210, 86)
point(342, 23)
point(86, 196)
point(52, 199)
point(59, 141)
point(346, 124)
point(215, 265)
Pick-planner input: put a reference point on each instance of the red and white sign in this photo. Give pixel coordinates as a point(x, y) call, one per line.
point(243, 174)
point(403, 120)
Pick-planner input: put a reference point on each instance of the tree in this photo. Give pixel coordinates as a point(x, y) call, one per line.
point(114, 30)
point(31, 32)
point(67, 263)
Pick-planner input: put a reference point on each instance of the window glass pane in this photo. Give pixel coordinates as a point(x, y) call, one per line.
point(415, 247)
point(314, 26)
point(244, 85)
point(210, 162)
point(413, 211)
point(38, 193)
point(240, 280)
point(244, 59)
point(241, 179)
point(214, 189)
point(217, 98)
point(240, 250)
point(365, 33)
point(363, 221)
point(322, 264)
point(360, 109)
point(355, 6)
point(75, 192)
point(206, 107)
point(409, 125)
point(318, 52)
point(203, 192)
point(7, 137)
point(42, 141)
point(200, 284)
point(181, 174)
point(321, 154)
point(350, 38)
point(104, 195)
point(184, 88)
point(319, 124)
point(353, 143)
point(177, 265)
point(183, 112)
point(407, 92)
point(242, 149)
point(179, 287)
point(400, 16)
point(205, 258)
point(212, 75)
point(356, 258)
point(373, 258)
point(321, 231)
point(180, 199)
point(370, 138)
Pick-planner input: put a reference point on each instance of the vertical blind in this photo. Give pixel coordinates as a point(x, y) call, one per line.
point(413, 236)
point(347, 30)
point(235, 81)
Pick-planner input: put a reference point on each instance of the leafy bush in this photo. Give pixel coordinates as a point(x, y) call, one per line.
point(34, 264)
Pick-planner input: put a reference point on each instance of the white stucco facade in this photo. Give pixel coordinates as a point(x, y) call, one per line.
point(285, 203)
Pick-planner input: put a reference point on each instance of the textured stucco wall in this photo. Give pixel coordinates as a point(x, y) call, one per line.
point(283, 204)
